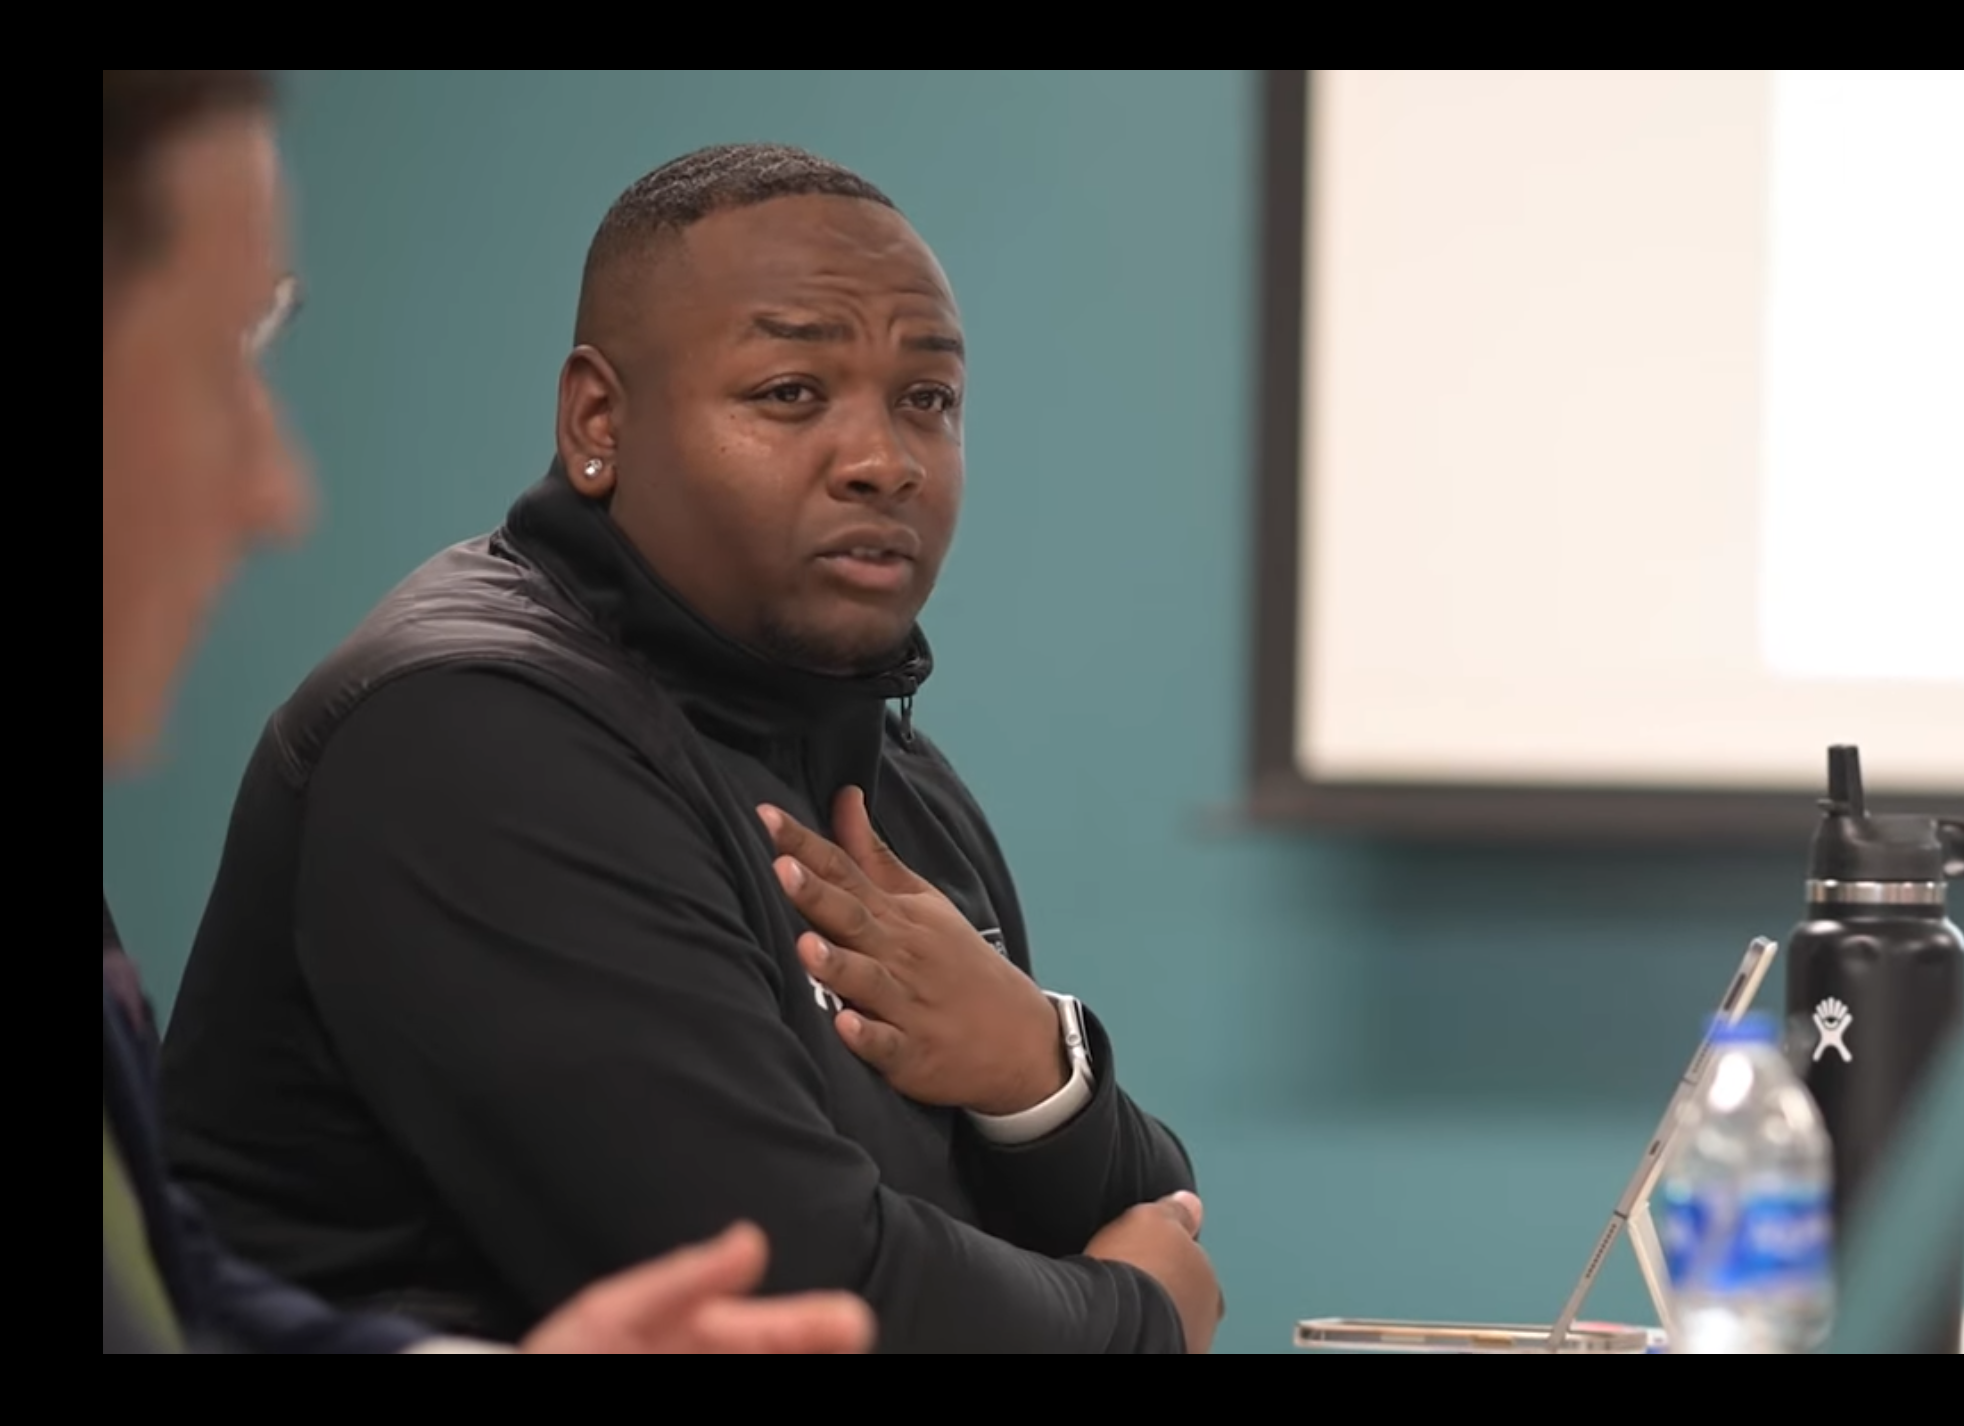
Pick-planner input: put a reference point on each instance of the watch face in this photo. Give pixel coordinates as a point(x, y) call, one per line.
point(1070, 1015)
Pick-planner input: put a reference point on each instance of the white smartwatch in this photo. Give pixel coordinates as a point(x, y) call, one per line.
point(1077, 1039)
point(1067, 1103)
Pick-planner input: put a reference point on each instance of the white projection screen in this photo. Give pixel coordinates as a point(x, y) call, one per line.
point(1613, 448)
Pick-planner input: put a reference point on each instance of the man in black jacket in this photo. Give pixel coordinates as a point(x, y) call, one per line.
point(590, 893)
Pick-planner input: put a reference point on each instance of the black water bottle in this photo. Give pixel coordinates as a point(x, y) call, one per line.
point(1875, 988)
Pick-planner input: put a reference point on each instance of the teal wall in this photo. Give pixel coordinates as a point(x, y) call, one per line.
point(1413, 1078)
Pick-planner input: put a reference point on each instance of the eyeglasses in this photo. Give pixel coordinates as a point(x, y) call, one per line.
point(286, 302)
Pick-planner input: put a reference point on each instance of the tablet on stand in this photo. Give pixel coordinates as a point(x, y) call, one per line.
point(1631, 1216)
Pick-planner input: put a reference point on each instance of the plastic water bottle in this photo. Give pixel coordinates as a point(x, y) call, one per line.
point(1748, 1193)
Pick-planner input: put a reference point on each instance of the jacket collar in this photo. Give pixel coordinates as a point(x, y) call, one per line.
point(718, 681)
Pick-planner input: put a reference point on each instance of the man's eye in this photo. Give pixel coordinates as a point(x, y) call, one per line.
point(788, 393)
point(932, 398)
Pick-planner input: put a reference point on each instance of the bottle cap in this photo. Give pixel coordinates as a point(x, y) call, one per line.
point(1754, 1027)
point(1853, 844)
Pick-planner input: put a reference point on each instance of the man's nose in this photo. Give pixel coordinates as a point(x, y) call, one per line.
point(283, 497)
point(874, 461)
point(279, 487)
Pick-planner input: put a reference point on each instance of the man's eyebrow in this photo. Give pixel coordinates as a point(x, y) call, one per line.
point(763, 325)
point(780, 330)
point(937, 342)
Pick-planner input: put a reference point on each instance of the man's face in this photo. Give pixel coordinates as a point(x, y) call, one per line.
point(784, 437)
point(194, 464)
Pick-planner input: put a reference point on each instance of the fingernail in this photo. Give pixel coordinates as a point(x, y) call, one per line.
point(821, 952)
point(769, 816)
point(793, 873)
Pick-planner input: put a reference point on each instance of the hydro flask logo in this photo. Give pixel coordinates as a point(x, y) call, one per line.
point(1832, 1019)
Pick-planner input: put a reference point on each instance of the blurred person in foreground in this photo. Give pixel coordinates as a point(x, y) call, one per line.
point(195, 468)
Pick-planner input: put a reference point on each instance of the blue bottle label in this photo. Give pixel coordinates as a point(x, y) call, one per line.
point(1762, 1241)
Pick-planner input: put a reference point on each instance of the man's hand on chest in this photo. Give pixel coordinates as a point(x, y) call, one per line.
point(929, 1002)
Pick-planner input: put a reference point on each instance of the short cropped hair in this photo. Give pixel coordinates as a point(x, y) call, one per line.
point(686, 190)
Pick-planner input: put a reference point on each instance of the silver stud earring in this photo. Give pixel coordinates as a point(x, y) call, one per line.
point(593, 469)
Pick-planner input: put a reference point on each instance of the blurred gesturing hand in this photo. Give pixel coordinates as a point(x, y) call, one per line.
point(930, 1004)
point(694, 1300)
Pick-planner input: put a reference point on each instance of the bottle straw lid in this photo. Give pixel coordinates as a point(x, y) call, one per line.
point(1853, 844)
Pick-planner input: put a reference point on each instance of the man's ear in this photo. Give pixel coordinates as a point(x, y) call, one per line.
point(590, 408)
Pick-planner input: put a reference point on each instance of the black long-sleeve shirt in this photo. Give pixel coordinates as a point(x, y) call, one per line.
point(497, 993)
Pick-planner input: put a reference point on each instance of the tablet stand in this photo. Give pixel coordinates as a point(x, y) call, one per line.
point(1632, 1211)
